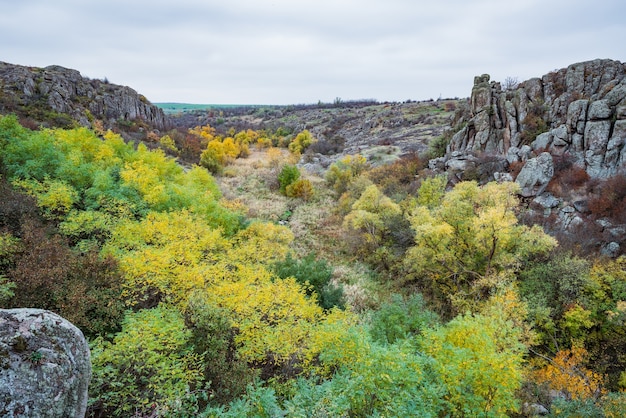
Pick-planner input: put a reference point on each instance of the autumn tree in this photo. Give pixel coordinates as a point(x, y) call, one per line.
point(301, 142)
point(567, 374)
point(344, 171)
point(468, 239)
point(370, 224)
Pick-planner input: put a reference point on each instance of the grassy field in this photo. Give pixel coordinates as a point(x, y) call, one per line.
point(172, 108)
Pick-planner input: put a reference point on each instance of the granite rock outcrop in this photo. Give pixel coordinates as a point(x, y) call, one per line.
point(45, 365)
point(66, 92)
point(579, 110)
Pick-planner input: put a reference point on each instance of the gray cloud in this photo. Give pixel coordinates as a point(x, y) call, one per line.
point(285, 51)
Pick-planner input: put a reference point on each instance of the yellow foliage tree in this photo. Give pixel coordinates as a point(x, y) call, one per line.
point(168, 143)
point(369, 214)
point(206, 132)
point(472, 235)
point(301, 142)
point(55, 197)
point(158, 253)
point(344, 171)
point(169, 256)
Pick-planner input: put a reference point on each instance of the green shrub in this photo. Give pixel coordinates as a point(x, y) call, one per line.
point(287, 176)
point(315, 275)
point(6, 289)
point(211, 162)
point(258, 402)
point(213, 338)
point(401, 318)
point(148, 368)
point(437, 147)
point(389, 380)
point(575, 408)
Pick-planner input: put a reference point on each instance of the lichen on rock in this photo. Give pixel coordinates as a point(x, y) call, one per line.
point(45, 365)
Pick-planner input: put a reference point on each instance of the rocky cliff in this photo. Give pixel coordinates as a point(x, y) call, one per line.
point(55, 94)
point(45, 365)
point(579, 110)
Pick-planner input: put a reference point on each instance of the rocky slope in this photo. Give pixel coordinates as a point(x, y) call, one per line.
point(56, 96)
point(579, 110)
point(562, 137)
point(365, 127)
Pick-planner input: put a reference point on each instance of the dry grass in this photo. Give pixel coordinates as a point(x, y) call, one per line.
point(251, 185)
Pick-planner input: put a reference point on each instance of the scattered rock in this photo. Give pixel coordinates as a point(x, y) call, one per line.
point(459, 163)
point(611, 249)
point(534, 409)
point(502, 177)
point(45, 365)
point(547, 201)
point(604, 223)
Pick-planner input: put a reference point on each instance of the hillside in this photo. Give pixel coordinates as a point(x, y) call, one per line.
point(55, 96)
point(375, 129)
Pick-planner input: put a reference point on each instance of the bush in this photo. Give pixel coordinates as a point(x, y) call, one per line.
point(301, 142)
point(437, 147)
point(343, 172)
point(213, 338)
point(487, 165)
point(148, 369)
point(609, 198)
point(258, 402)
point(167, 143)
point(83, 288)
point(568, 180)
point(399, 178)
point(333, 145)
point(288, 175)
point(401, 318)
point(575, 408)
point(315, 275)
point(533, 124)
point(301, 188)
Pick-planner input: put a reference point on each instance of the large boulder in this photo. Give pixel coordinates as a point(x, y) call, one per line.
point(45, 365)
point(535, 175)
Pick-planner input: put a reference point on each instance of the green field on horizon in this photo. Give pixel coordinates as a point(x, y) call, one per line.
point(189, 107)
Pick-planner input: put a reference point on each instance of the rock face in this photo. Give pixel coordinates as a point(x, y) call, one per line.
point(45, 365)
point(579, 110)
point(65, 91)
point(536, 174)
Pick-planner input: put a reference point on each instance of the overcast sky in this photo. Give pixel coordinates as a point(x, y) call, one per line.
point(304, 51)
